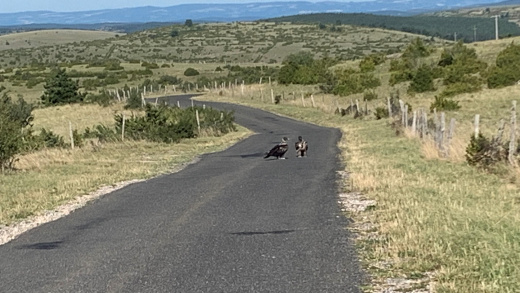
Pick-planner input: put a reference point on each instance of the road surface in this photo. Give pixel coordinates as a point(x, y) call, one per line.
point(232, 222)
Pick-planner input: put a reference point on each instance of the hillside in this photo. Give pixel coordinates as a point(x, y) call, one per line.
point(243, 42)
point(443, 24)
point(508, 11)
point(54, 37)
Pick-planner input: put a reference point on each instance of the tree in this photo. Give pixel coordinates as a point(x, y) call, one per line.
point(422, 80)
point(174, 33)
point(61, 89)
point(188, 23)
point(13, 118)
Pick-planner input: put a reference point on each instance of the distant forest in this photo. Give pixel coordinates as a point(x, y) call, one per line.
point(468, 29)
point(109, 27)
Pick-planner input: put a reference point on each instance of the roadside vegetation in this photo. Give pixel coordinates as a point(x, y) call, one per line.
point(440, 223)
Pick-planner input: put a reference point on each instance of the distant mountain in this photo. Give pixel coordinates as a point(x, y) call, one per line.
point(232, 12)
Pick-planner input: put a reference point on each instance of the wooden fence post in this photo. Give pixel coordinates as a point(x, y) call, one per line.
point(451, 132)
point(405, 116)
point(477, 126)
point(312, 100)
point(442, 130)
point(198, 119)
point(401, 105)
point(389, 105)
point(71, 135)
point(414, 123)
point(272, 96)
point(123, 128)
point(512, 142)
point(424, 127)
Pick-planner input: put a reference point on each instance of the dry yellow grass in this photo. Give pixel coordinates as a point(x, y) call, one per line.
point(80, 116)
point(435, 217)
point(41, 38)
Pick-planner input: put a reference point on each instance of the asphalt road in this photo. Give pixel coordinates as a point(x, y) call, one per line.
point(232, 222)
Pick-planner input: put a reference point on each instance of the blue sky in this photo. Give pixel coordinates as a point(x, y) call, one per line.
point(9, 6)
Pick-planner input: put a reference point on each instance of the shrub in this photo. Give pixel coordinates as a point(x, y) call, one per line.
point(484, 153)
point(191, 72)
point(14, 118)
point(507, 70)
point(10, 141)
point(422, 80)
point(369, 96)
point(444, 104)
point(61, 89)
point(381, 112)
point(470, 84)
point(50, 140)
point(135, 100)
point(102, 99)
point(171, 124)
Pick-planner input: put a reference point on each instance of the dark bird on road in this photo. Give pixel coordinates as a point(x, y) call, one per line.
point(301, 147)
point(278, 150)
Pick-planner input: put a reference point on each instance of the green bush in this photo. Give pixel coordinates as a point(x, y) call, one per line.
point(10, 141)
point(422, 80)
point(49, 139)
point(61, 89)
point(191, 72)
point(134, 100)
point(470, 84)
point(171, 124)
point(484, 153)
point(507, 69)
point(369, 96)
point(103, 98)
point(349, 82)
point(444, 104)
point(381, 112)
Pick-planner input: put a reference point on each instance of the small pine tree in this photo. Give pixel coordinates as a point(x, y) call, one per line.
point(61, 89)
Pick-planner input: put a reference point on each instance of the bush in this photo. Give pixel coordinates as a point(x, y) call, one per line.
point(381, 112)
point(171, 124)
point(484, 153)
point(422, 80)
point(61, 89)
point(191, 72)
point(470, 84)
point(50, 140)
point(135, 100)
point(369, 96)
point(507, 70)
point(10, 141)
point(444, 104)
point(14, 117)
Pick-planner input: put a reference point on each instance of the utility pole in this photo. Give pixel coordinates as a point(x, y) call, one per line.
point(474, 33)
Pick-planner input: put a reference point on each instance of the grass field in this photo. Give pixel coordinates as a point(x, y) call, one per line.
point(45, 38)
